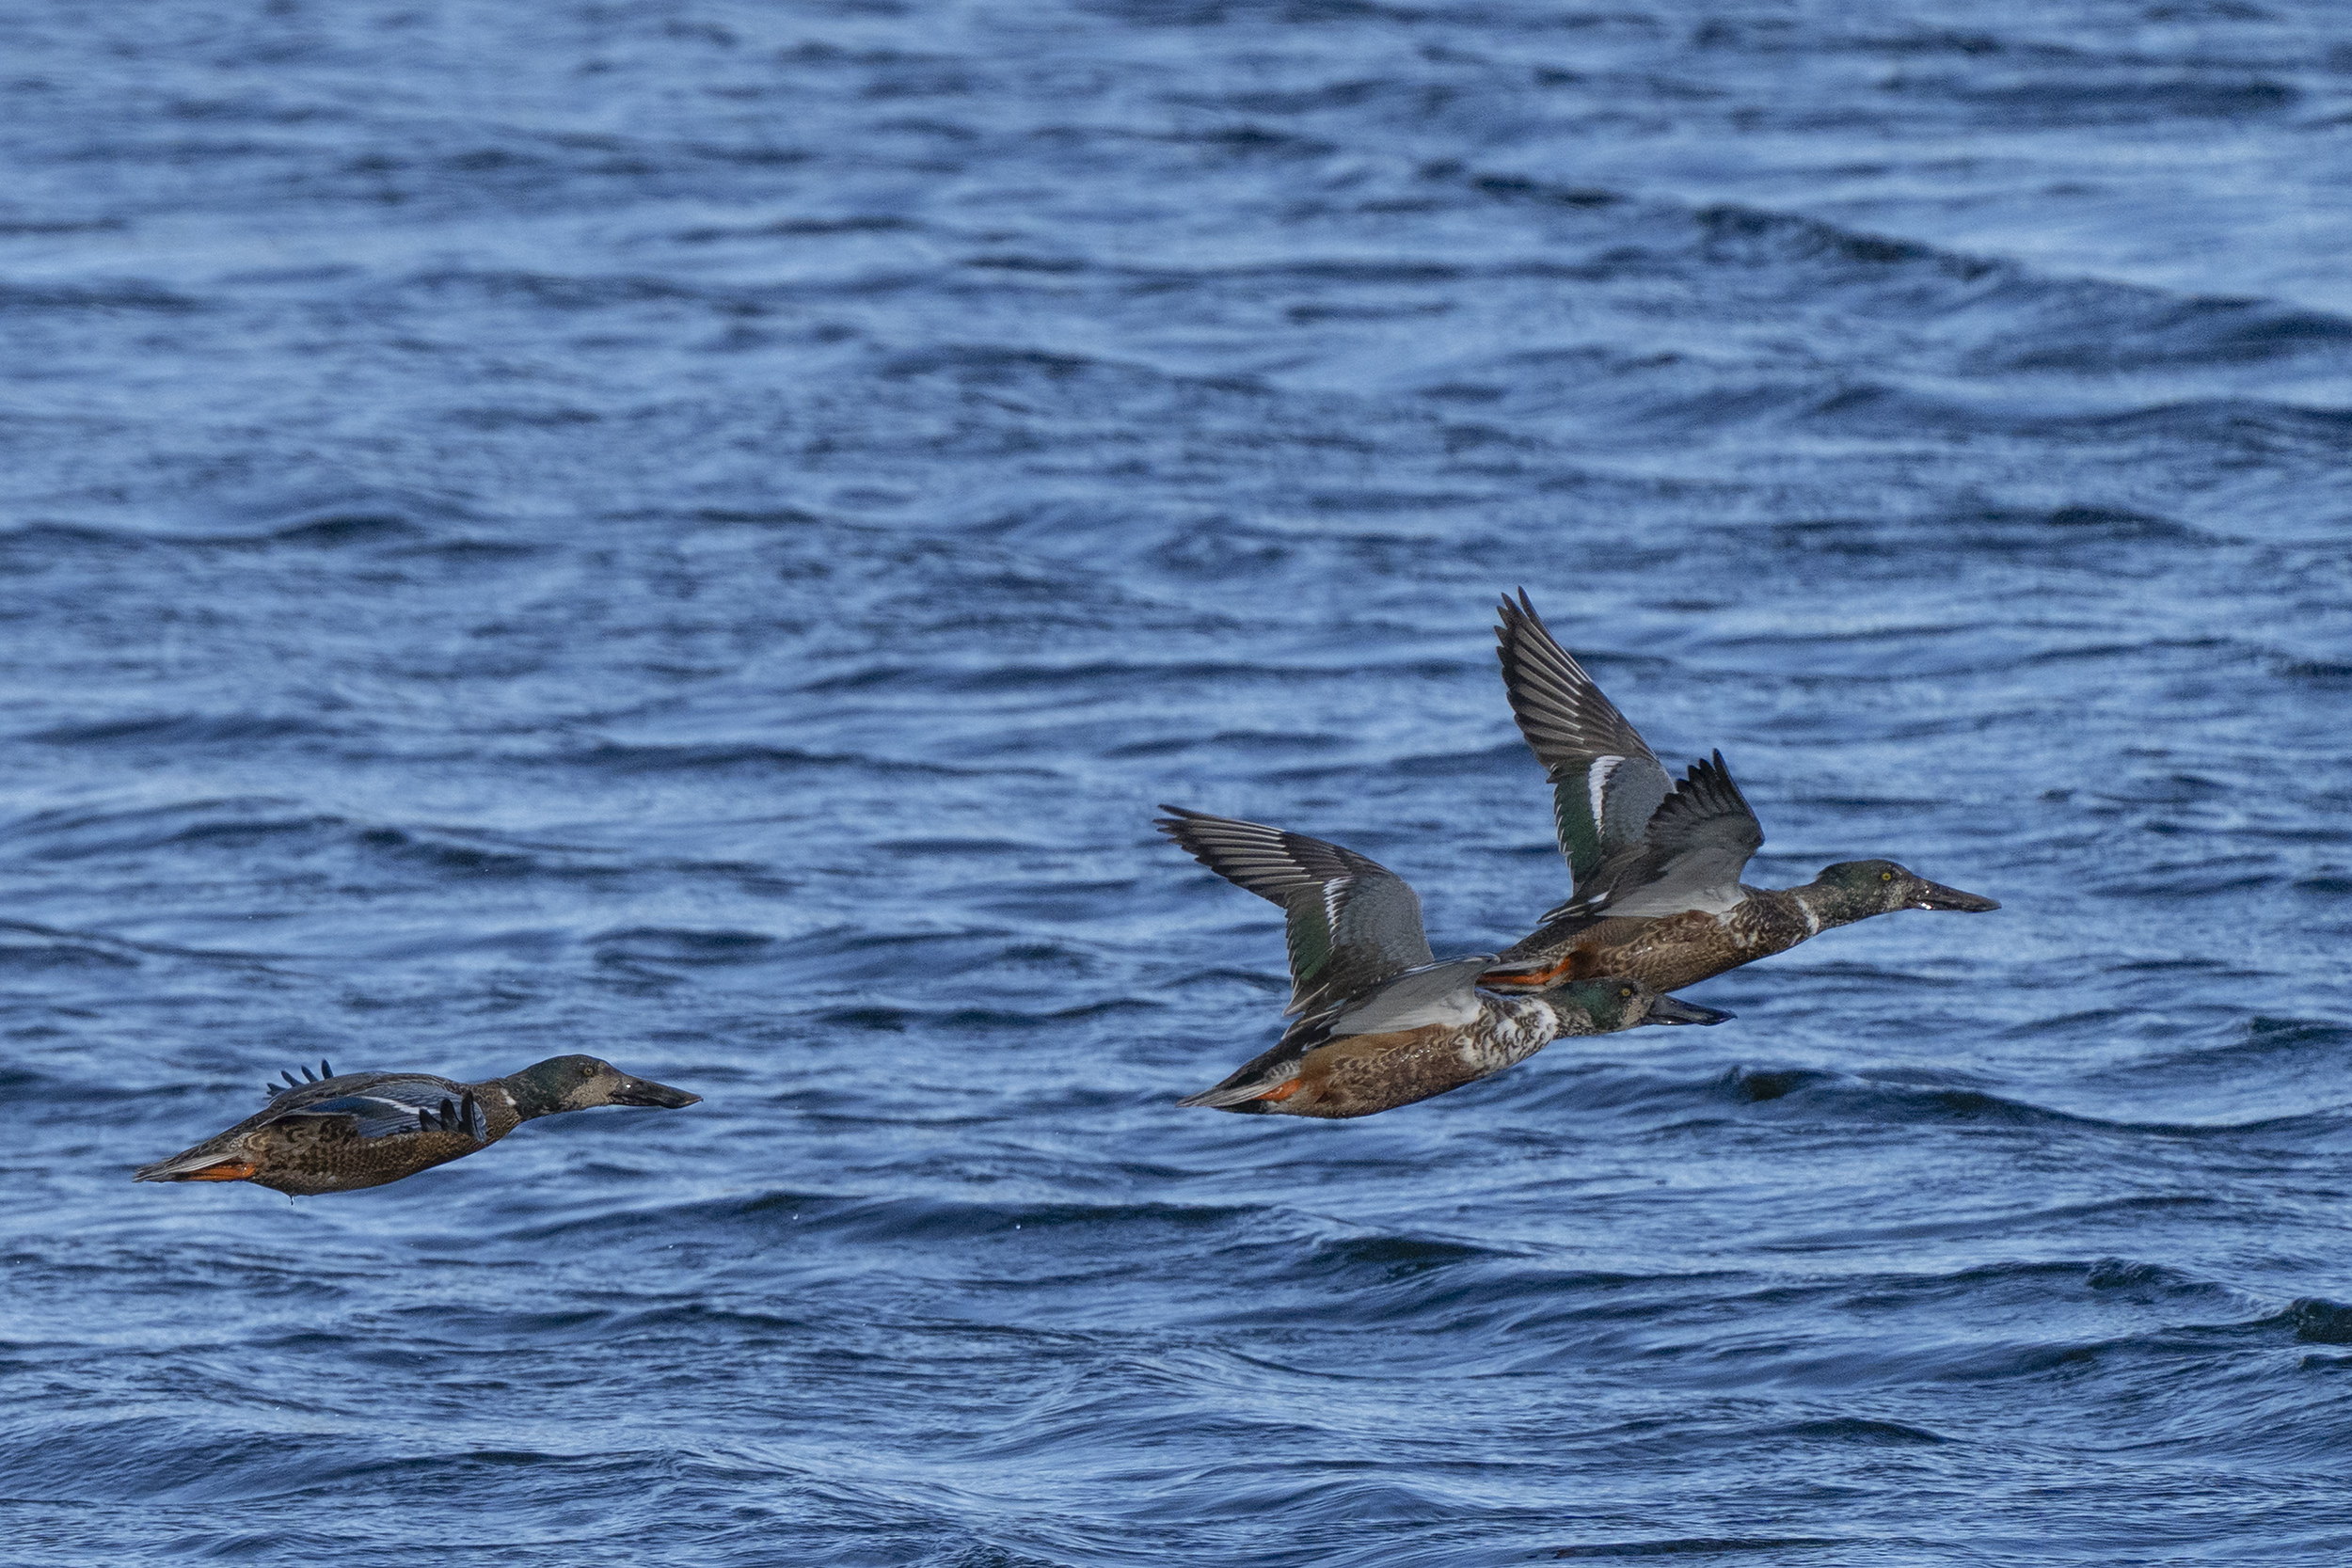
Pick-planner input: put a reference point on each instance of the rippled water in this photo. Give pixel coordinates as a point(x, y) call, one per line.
point(700, 532)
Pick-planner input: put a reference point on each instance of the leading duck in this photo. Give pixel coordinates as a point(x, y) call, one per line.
point(342, 1132)
point(1657, 893)
point(1383, 1023)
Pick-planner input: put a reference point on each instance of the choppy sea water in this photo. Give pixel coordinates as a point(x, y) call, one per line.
point(699, 533)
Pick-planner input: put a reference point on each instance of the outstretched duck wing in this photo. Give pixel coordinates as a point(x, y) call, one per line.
point(1350, 921)
point(1605, 781)
point(388, 1107)
point(1690, 857)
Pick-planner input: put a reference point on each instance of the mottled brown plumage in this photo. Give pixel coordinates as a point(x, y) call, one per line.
point(1314, 1073)
point(1671, 951)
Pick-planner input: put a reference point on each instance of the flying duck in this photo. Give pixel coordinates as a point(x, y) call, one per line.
point(1381, 1024)
point(331, 1133)
point(1655, 870)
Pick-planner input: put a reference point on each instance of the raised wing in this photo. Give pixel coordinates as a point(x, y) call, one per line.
point(1605, 782)
point(390, 1107)
point(1351, 922)
point(1690, 858)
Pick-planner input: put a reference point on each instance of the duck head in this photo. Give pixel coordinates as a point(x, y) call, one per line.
point(578, 1083)
point(1616, 1003)
point(1855, 890)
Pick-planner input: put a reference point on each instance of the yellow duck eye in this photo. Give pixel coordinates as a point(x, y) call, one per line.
point(1887, 876)
point(1627, 990)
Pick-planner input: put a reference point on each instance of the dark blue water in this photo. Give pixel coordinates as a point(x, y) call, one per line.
point(698, 532)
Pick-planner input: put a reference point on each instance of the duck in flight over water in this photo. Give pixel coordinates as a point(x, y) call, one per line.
point(1655, 870)
point(336, 1133)
point(1380, 1022)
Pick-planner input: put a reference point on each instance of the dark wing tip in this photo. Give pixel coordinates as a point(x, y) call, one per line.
point(1510, 618)
point(1713, 779)
point(1523, 609)
point(1705, 805)
point(1731, 784)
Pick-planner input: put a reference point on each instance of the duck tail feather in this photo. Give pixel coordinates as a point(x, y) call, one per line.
point(1226, 1096)
point(184, 1166)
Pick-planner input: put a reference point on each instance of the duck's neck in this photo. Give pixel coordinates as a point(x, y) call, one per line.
point(529, 1099)
point(1551, 1015)
point(1822, 905)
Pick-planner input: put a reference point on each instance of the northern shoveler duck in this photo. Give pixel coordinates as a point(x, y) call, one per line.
point(1656, 870)
point(331, 1133)
point(1381, 1024)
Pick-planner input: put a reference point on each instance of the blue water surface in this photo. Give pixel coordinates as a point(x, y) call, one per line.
point(699, 533)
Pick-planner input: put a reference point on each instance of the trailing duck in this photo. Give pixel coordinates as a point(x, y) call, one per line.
point(334, 1133)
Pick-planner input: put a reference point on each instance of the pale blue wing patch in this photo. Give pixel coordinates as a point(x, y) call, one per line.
point(1690, 857)
point(1435, 993)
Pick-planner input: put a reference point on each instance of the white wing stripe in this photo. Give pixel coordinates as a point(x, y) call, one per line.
point(1334, 894)
point(1597, 781)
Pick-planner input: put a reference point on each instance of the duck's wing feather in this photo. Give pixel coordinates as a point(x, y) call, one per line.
point(212, 1152)
point(271, 1091)
point(1350, 922)
point(1605, 781)
point(1690, 857)
point(1443, 993)
point(391, 1107)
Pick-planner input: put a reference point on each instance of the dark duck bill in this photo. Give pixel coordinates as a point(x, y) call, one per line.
point(1936, 895)
point(1673, 1009)
point(639, 1091)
